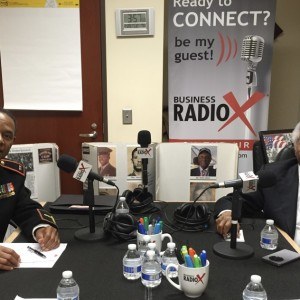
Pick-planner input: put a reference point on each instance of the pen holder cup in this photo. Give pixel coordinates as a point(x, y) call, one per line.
point(155, 238)
point(192, 281)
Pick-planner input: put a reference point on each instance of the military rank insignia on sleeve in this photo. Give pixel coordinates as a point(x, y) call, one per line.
point(46, 217)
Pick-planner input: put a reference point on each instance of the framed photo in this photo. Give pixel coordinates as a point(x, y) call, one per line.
point(273, 141)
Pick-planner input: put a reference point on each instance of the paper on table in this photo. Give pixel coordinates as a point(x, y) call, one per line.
point(20, 298)
point(32, 260)
point(239, 238)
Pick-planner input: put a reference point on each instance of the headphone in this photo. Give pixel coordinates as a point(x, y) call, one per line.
point(140, 201)
point(124, 226)
point(193, 216)
point(121, 226)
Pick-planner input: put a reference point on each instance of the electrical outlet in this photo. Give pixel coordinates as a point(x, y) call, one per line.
point(127, 116)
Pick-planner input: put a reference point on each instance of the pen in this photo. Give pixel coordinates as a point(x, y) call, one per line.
point(36, 252)
point(197, 261)
point(183, 251)
point(188, 261)
point(192, 252)
point(150, 229)
point(141, 228)
point(146, 223)
point(203, 258)
point(161, 225)
point(157, 228)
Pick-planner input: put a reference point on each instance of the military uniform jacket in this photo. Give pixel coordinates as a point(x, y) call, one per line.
point(15, 201)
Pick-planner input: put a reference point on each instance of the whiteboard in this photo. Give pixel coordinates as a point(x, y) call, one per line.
point(41, 58)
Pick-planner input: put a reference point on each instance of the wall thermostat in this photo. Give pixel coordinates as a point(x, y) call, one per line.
point(134, 21)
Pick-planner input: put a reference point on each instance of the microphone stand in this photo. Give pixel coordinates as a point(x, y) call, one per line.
point(91, 234)
point(233, 250)
point(145, 174)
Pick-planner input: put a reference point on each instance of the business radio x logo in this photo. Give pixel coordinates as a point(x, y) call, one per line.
point(191, 278)
point(82, 171)
point(83, 168)
point(145, 152)
point(239, 110)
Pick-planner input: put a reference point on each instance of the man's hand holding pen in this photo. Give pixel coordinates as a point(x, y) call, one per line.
point(47, 237)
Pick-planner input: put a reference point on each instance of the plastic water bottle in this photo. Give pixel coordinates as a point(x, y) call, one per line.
point(152, 246)
point(169, 257)
point(254, 290)
point(132, 263)
point(68, 288)
point(151, 270)
point(269, 236)
point(122, 206)
point(144, 245)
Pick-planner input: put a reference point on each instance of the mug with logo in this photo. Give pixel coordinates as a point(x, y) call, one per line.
point(154, 238)
point(192, 281)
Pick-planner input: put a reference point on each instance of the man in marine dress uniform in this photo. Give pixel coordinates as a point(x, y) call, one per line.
point(15, 202)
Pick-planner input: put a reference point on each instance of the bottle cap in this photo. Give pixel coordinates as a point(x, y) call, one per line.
point(150, 254)
point(270, 222)
point(171, 245)
point(256, 278)
point(151, 246)
point(132, 247)
point(67, 274)
point(122, 199)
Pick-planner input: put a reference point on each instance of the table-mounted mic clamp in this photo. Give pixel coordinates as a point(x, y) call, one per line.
point(234, 250)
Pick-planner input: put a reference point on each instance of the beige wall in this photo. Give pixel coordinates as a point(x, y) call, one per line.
point(134, 75)
point(284, 111)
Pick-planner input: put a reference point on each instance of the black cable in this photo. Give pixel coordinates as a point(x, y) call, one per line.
point(117, 199)
point(184, 226)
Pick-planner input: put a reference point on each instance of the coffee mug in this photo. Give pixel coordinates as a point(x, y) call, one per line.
point(192, 281)
point(155, 238)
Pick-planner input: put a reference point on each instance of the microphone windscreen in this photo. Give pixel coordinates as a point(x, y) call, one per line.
point(144, 138)
point(67, 163)
point(266, 179)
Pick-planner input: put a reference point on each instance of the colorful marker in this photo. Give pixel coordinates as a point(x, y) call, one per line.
point(203, 258)
point(188, 261)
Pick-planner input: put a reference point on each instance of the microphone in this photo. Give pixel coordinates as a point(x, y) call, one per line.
point(144, 139)
point(252, 52)
point(249, 181)
point(69, 164)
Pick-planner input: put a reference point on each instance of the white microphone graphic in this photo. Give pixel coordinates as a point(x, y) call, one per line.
point(252, 52)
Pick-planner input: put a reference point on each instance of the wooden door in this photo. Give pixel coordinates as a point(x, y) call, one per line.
point(63, 128)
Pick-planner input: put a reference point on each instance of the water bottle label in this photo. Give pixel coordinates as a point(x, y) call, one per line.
point(68, 298)
point(132, 270)
point(152, 277)
point(268, 241)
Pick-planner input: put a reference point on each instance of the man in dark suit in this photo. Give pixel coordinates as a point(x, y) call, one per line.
point(203, 160)
point(15, 203)
point(279, 202)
